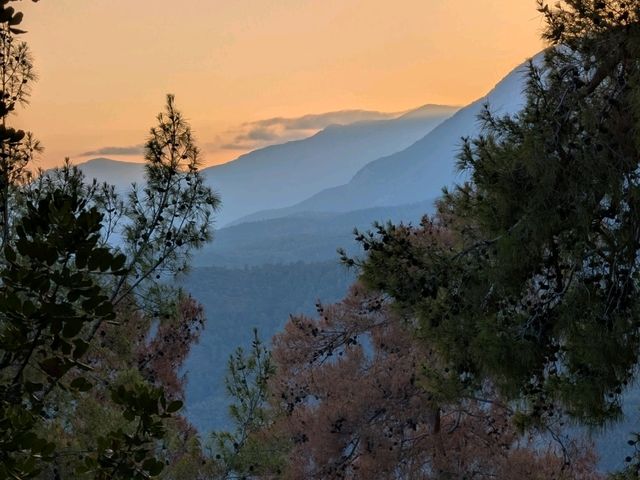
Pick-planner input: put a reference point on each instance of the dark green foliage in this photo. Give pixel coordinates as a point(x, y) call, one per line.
point(50, 281)
point(247, 382)
point(555, 204)
point(10, 17)
point(528, 276)
point(122, 454)
point(49, 299)
point(56, 284)
point(67, 292)
point(172, 212)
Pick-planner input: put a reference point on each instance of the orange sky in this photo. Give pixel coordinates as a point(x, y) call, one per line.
point(104, 66)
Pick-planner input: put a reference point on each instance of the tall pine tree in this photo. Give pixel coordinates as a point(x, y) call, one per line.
point(528, 276)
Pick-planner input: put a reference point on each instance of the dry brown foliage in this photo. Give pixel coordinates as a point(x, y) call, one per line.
point(356, 403)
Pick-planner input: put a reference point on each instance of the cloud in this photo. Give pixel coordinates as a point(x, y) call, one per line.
point(252, 135)
point(256, 138)
point(269, 131)
point(261, 134)
point(322, 120)
point(130, 150)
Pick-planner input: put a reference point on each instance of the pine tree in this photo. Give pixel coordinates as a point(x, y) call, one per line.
point(17, 147)
point(82, 395)
point(528, 275)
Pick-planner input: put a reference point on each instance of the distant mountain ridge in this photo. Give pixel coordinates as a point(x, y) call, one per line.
point(114, 172)
point(418, 172)
point(397, 186)
point(281, 175)
point(304, 237)
point(284, 174)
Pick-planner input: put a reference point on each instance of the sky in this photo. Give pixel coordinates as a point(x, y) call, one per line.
point(248, 73)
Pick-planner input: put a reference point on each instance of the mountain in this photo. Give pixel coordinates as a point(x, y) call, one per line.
point(235, 302)
point(420, 171)
point(272, 244)
point(252, 276)
point(119, 174)
point(281, 175)
point(308, 237)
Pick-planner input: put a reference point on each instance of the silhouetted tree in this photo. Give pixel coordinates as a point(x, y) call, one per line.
point(140, 349)
point(17, 147)
point(51, 295)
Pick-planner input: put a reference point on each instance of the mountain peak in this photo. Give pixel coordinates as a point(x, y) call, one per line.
point(104, 161)
point(430, 110)
point(114, 172)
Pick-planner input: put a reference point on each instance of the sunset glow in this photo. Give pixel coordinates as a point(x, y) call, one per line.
point(104, 66)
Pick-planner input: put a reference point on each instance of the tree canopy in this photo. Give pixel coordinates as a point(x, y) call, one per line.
point(91, 339)
point(527, 276)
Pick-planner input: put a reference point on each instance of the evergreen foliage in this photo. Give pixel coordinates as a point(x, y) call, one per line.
point(528, 275)
point(248, 451)
point(522, 292)
point(86, 389)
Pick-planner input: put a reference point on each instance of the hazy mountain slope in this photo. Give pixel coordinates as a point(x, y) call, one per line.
point(119, 174)
point(235, 302)
point(307, 237)
point(418, 172)
point(281, 175)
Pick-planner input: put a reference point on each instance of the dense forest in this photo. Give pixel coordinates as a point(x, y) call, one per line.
point(238, 300)
point(480, 343)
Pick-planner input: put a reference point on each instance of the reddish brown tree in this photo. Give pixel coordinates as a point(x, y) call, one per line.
point(161, 357)
point(361, 398)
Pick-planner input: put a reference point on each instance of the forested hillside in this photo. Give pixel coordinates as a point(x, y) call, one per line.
point(305, 237)
point(237, 300)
